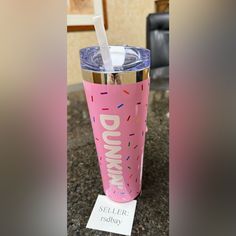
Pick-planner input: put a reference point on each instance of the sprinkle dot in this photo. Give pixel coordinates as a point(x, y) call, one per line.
point(125, 91)
point(119, 106)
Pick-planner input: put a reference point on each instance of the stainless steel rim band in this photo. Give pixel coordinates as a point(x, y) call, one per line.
point(130, 77)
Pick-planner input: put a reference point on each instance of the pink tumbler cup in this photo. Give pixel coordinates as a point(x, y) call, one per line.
point(118, 103)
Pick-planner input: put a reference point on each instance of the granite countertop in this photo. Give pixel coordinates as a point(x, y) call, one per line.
point(84, 181)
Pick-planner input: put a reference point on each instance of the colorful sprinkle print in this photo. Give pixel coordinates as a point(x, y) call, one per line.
point(119, 106)
point(126, 102)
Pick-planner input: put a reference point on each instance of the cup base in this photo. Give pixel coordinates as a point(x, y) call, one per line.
point(124, 199)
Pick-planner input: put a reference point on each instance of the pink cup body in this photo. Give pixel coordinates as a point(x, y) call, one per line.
point(118, 115)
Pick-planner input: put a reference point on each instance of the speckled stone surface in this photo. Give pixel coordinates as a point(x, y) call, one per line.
point(84, 181)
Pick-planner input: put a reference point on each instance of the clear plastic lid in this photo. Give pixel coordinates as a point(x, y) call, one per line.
point(124, 58)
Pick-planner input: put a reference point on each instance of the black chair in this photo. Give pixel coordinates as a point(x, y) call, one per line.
point(158, 42)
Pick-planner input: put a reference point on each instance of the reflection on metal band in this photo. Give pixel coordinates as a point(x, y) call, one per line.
point(116, 78)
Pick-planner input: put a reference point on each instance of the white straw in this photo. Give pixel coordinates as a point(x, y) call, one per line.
point(102, 41)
